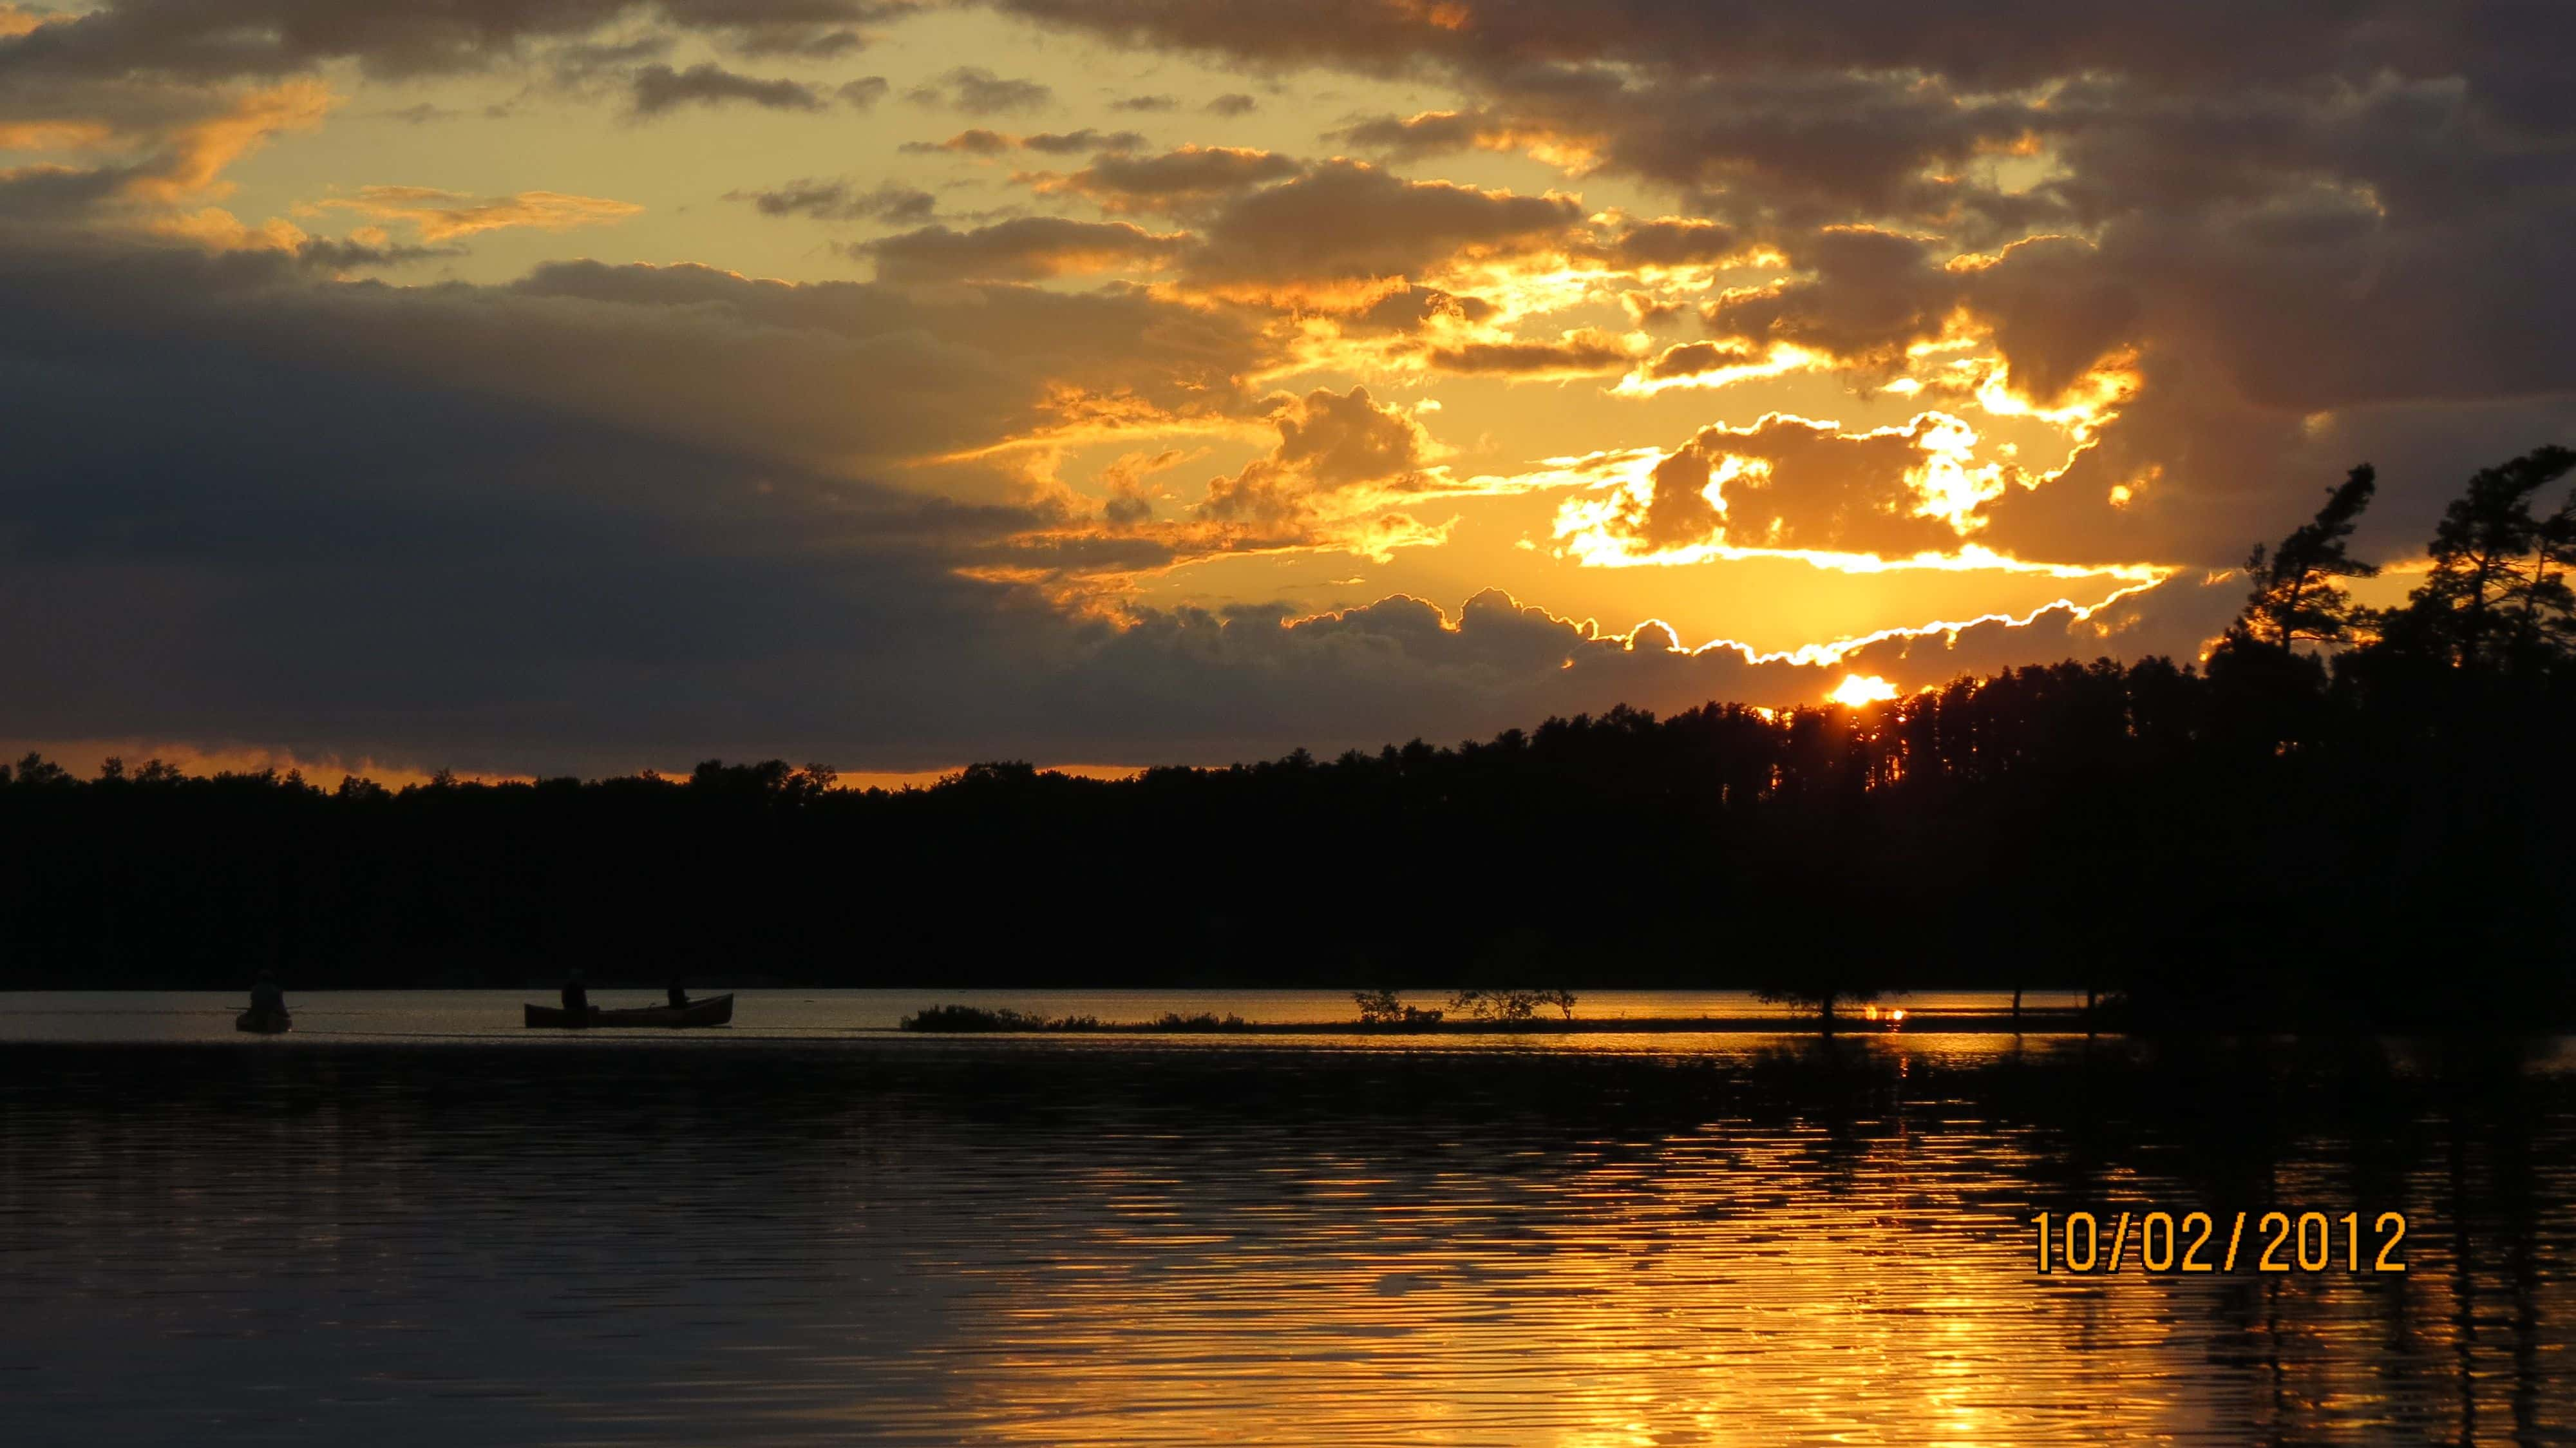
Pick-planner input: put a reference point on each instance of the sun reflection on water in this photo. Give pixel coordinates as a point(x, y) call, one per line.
point(1762, 1240)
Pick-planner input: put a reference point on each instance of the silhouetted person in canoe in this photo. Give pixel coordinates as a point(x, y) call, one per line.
point(576, 999)
point(679, 996)
point(267, 997)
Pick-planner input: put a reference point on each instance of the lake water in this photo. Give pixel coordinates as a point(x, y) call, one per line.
point(421, 1227)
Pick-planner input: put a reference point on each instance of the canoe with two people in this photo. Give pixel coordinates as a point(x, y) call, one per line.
point(677, 1010)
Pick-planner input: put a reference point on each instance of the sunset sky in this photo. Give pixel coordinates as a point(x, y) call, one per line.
point(584, 385)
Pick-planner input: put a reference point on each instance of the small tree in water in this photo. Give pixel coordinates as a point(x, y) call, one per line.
point(1510, 1005)
point(1818, 998)
point(1382, 1008)
point(1496, 1005)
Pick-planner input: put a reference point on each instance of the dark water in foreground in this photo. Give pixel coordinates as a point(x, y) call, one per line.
point(1716, 1240)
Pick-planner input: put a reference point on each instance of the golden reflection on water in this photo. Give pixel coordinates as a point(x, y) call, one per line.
point(1774, 1242)
point(1720, 1285)
point(1699, 1290)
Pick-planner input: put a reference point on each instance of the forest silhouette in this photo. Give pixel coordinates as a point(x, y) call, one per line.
point(2347, 816)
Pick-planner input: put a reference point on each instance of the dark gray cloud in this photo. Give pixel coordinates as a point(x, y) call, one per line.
point(1587, 353)
point(979, 141)
point(1232, 103)
point(842, 201)
point(798, 42)
point(1344, 221)
point(1692, 359)
point(1428, 133)
point(1027, 248)
point(658, 88)
point(1999, 47)
point(975, 142)
point(54, 195)
point(1395, 669)
point(421, 114)
point(577, 64)
point(809, 378)
point(1673, 241)
point(1174, 182)
point(1408, 309)
point(2176, 619)
point(825, 373)
point(296, 544)
point(328, 255)
point(1867, 295)
point(1154, 103)
point(1068, 143)
point(208, 40)
point(979, 92)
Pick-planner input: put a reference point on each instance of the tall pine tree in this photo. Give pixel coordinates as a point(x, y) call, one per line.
point(2296, 597)
point(2497, 596)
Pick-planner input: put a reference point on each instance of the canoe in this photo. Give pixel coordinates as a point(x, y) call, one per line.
point(266, 1023)
point(713, 1011)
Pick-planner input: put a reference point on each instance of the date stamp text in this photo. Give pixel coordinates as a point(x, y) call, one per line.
point(2159, 1242)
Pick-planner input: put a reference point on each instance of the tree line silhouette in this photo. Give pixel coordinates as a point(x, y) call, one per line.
point(2347, 815)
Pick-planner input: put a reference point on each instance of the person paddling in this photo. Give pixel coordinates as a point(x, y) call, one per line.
point(576, 1000)
point(267, 1013)
point(679, 995)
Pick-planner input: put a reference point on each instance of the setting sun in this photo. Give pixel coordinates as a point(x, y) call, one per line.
point(1859, 689)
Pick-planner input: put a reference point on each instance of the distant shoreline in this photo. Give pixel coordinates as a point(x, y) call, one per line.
point(2055, 1021)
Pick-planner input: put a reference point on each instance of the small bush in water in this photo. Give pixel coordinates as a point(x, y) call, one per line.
point(1203, 1021)
point(969, 1018)
point(1381, 1008)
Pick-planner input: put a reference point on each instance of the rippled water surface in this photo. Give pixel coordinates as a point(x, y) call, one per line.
point(1631, 1240)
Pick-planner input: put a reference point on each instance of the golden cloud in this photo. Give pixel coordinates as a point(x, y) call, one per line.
point(1792, 486)
point(196, 156)
point(54, 135)
point(17, 20)
point(445, 215)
